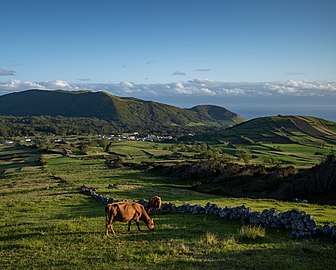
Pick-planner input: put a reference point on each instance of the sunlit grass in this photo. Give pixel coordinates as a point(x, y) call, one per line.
point(248, 232)
point(47, 224)
point(211, 238)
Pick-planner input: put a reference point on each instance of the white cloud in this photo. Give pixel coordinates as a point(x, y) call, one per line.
point(207, 91)
point(197, 87)
point(127, 85)
point(180, 86)
point(202, 80)
point(17, 85)
point(233, 91)
point(180, 89)
point(60, 84)
point(301, 88)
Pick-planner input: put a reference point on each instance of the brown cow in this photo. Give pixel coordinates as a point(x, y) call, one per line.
point(155, 203)
point(126, 212)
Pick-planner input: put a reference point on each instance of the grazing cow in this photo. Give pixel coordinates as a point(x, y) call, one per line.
point(126, 212)
point(155, 203)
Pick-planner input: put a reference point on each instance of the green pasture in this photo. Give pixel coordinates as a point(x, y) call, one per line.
point(46, 223)
point(134, 184)
point(138, 150)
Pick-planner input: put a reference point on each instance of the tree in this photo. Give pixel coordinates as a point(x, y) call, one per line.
point(84, 147)
point(4, 131)
point(114, 161)
point(245, 155)
point(103, 143)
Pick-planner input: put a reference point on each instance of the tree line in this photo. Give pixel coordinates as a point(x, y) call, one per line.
point(13, 126)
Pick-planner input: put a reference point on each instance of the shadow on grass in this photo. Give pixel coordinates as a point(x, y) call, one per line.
point(89, 209)
point(35, 235)
point(166, 192)
point(184, 246)
point(288, 257)
point(19, 236)
point(192, 227)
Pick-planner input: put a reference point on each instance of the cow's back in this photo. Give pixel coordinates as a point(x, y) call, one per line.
point(125, 211)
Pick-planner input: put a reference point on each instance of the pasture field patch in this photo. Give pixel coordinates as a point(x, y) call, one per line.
point(139, 151)
point(65, 231)
point(301, 149)
point(47, 224)
point(136, 184)
point(292, 154)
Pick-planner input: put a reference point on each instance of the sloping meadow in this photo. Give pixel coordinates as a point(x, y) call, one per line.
point(54, 226)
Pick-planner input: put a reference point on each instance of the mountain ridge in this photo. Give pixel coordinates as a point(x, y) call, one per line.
point(102, 105)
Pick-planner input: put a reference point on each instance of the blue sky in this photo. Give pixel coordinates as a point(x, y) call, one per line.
point(126, 47)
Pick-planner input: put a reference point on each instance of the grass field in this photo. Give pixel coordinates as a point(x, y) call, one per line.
point(47, 224)
point(299, 155)
point(294, 140)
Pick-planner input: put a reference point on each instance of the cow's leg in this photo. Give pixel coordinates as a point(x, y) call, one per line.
point(129, 225)
point(109, 224)
point(138, 224)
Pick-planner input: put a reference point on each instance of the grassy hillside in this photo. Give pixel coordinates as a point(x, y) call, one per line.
point(218, 113)
point(46, 223)
point(125, 111)
point(283, 129)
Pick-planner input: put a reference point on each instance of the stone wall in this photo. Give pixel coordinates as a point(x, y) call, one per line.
point(299, 223)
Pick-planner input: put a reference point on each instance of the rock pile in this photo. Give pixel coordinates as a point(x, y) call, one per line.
point(92, 192)
point(300, 224)
point(143, 202)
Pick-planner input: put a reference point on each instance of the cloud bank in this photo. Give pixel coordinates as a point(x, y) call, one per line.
point(196, 87)
point(6, 72)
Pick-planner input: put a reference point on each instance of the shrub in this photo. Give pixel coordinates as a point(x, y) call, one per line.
point(43, 161)
point(211, 238)
point(248, 232)
point(114, 161)
point(245, 155)
point(230, 242)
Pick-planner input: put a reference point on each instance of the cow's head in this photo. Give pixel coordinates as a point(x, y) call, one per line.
point(150, 225)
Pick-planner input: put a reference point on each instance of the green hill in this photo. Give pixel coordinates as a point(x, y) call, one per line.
point(217, 113)
point(283, 129)
point(101, 105)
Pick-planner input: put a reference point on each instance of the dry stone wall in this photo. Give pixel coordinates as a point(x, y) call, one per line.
point(299, 223)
